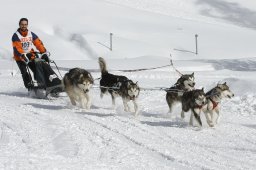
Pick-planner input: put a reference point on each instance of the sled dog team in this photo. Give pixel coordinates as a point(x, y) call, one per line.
point(77, 83)
point(197, 100)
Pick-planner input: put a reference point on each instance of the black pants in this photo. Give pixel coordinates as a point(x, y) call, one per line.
point(41, 71)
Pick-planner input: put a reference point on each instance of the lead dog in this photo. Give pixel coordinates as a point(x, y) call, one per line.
point(214, 97)
point(195, 101)
point(118, 85)
point(184, 83)
point(77, 83)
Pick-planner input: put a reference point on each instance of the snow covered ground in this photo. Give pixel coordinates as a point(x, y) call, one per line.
point(53, 134)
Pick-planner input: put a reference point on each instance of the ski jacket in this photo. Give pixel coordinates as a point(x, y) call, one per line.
point(23, 42)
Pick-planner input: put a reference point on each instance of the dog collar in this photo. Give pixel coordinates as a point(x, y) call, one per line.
point(199, 106)
point(132, 98)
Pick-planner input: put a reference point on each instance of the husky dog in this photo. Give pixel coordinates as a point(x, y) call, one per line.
point(213, 99)
point(195, 101)
point(118, 85)
point(129, 91)
point(77, 83)
point(184, 83)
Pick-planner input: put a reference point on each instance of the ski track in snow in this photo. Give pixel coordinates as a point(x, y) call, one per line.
point(52, 133)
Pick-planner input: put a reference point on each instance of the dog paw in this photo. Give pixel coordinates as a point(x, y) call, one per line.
point(73, 102)
point(88, 105)
point(136, 113)
point(211, 124)
point(101, 96)
point(170, 116)
point(182, 115)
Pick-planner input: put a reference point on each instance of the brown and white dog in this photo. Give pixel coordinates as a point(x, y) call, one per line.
point(77, 83)
point(214, 97)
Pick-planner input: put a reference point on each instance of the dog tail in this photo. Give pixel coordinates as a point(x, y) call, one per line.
point(103, 66)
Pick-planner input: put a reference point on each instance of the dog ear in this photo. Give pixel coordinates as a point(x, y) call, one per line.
point(128, 83)
point(202, 88)
point(180, 80)
point(192, 74)
point(136, 83)
point(80, 76)
point(225, 83)
point(90, 76)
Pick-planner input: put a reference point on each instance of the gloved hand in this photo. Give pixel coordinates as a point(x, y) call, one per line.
point(26, 57)
point(45, 57)
point(29, 55)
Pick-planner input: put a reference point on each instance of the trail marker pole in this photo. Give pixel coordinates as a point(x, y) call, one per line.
point(111, 35)
point(196, 44)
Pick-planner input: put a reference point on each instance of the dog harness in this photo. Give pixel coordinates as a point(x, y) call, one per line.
point(214, 104)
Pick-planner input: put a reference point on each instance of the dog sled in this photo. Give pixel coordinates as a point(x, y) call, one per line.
point(44, 81)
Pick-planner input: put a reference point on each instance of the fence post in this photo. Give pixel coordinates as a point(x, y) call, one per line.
point(111, 35)
point(196, 44)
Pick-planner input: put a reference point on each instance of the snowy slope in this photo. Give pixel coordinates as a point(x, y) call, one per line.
point(76, 34)
point(53, 134)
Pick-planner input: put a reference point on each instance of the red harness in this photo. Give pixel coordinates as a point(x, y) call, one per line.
point(215, 104)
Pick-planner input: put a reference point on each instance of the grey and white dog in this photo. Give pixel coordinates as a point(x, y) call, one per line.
point(185, 83)
point(129, 91)
point(195, 101)
point(117, 85)
point(214, 97)
point(77, 83)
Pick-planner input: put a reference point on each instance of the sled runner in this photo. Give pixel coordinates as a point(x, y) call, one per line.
point(42, 93)
point(54, 90)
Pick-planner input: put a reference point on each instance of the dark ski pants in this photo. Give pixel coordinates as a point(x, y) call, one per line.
point(41, 71)
point(27, 79)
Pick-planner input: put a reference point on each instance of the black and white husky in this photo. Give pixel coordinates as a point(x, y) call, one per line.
point(117, 85)
point(77, 83)
point(214, 97)
point(185, 83)
point(195, 101)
